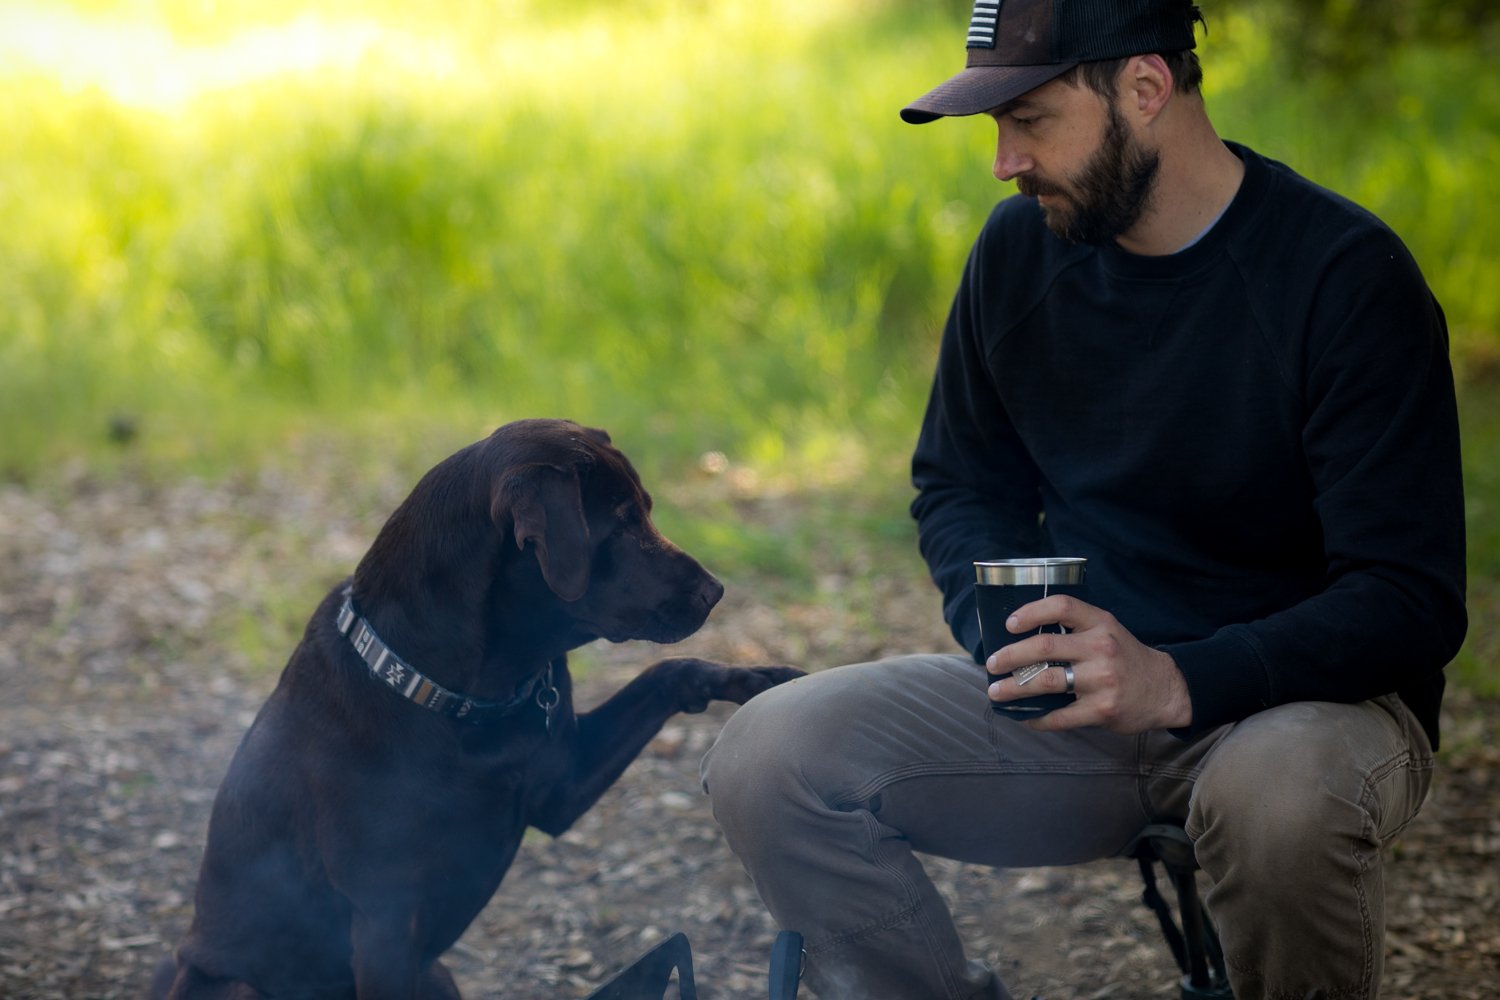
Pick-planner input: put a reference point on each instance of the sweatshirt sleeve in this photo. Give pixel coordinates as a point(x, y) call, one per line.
point(977, 489)
point(1381, 443)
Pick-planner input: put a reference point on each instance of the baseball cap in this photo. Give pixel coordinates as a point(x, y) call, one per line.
point(1018, 45)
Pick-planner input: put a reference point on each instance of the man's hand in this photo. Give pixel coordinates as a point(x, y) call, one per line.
point(1122, 685)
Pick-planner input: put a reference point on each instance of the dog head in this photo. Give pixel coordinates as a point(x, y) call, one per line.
point(566, 495)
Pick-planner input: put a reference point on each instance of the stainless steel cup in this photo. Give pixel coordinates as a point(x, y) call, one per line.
point(1002, 586)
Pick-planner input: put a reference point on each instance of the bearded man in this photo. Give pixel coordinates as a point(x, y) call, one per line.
point(1229, 390)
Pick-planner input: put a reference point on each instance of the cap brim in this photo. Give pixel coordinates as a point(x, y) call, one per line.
point(978, 89)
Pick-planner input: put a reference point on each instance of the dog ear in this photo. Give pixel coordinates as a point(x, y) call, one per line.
point(544, 505)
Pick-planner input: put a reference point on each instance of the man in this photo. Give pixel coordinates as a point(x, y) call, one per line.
point(1229, 390)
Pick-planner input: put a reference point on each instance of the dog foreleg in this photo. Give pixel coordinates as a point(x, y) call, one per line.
point(188, 982)
point(385, 960)
point(608, 738)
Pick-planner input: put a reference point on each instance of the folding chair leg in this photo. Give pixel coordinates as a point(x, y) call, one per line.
point(1196, 945)
point(647, 978)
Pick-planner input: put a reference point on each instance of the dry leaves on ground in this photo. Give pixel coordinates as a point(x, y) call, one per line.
point(124, 696)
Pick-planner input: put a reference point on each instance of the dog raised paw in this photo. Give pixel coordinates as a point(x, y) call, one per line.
point(693, 683)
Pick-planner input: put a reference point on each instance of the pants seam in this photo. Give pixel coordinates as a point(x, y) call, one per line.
point(882, 923)
point(1369, 794)
point(910, 913)
point(862, 793)
point(945, 969)
point(876, 926)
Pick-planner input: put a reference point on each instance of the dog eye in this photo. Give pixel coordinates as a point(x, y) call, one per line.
point(635, 511)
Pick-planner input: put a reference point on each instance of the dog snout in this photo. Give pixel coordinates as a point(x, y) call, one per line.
point(710, 590)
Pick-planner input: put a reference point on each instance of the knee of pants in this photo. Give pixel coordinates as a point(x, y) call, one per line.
point(765, 765)
point(1278, 812)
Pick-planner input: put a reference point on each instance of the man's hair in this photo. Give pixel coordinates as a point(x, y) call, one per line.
point(1102, 76)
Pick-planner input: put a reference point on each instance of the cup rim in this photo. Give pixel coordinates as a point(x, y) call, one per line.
point(1030, 571)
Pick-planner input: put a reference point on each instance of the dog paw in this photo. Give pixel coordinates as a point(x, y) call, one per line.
point(740, 684)
point(772, 676)
point(695, 683)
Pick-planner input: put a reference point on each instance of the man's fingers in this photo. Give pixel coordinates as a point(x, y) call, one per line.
point(1044, 648)
point(1052, 678)
point(1059, 609)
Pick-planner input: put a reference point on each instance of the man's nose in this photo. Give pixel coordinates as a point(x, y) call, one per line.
point(1010, 159)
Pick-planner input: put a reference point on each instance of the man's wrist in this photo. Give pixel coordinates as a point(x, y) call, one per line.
point(1179, 701)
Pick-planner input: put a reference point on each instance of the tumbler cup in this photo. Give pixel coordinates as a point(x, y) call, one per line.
point(1003, 585)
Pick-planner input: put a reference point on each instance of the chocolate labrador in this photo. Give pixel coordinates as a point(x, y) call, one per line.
point(426, 720)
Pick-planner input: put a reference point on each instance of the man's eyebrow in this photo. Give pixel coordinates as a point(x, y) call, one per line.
point(1019, 104)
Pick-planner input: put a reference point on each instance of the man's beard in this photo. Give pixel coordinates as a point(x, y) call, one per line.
point(1108, 196)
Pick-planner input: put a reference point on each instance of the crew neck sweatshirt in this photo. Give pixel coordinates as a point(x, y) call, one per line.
point(1254, 442)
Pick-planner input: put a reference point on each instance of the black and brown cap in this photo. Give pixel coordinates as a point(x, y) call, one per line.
point(1018, 45)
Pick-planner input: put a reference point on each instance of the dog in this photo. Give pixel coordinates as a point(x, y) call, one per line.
point(425, 720)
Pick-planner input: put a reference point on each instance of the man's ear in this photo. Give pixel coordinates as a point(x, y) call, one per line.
point(543, 505)
point(1146, 84)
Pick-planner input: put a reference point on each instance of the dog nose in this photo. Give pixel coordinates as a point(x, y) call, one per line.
point(709, 593)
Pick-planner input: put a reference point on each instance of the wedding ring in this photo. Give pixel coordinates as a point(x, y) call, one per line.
point(1068, 678)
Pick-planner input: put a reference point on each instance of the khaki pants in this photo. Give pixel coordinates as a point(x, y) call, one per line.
point(825, 787)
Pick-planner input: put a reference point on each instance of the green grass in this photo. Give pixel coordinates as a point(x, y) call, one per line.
point(1478, 664)
point(700, 225)
point(675, 253)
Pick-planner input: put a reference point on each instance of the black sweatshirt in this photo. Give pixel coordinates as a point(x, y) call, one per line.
point(1253, 441)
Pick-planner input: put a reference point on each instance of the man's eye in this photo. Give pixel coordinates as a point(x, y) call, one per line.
point(1023, 122)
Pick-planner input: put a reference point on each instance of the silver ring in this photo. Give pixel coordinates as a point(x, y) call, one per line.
point(1068, 678)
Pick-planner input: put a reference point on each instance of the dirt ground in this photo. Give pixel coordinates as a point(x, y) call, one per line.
point(125, 615)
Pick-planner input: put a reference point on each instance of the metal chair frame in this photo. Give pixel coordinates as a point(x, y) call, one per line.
point(1195, 943)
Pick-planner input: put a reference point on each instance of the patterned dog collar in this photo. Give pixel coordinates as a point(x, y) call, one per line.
point(411, 684)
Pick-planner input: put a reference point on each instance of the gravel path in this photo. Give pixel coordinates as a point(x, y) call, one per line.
point(141, 626)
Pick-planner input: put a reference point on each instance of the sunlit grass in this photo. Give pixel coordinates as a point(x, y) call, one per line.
point(344, 205)
point(166, 56)
point(645, 222)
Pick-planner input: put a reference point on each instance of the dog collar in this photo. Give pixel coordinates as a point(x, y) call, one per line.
point(411, 684)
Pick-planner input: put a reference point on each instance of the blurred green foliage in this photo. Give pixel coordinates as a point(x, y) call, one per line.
point(1344, 37)
point(698, 223)
point(683, 226)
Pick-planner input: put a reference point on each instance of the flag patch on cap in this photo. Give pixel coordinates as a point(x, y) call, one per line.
point(982, 24)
